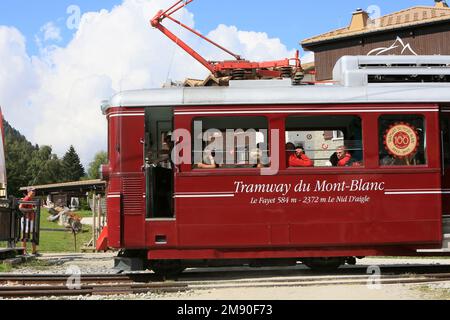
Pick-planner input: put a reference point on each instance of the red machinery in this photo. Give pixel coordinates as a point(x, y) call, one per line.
point(236, 69)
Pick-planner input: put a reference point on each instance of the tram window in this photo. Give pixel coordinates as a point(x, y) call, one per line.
point(230, 143)
point(445, 127)
point(402, 140)
point(326, 140)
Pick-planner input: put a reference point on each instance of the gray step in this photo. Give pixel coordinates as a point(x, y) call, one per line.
point(446, 241)
point(446, 225)
point(445, 246)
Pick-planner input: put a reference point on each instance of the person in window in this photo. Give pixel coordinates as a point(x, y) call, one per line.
point(344, 157)
point(208, 160)
point(258, 157)
point(300, 159)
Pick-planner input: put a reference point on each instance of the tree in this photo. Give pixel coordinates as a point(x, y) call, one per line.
point(18, 153)
point(94, 167)
point(45, 167)
point(72, 168)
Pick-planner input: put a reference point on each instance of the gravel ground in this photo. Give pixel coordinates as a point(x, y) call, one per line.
point(103, 263)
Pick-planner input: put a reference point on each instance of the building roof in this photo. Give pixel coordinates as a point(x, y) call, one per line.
point(69, 185)
point(405, 18)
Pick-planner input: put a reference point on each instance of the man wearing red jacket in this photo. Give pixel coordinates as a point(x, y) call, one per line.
point(28, 221)
point(343, 156)
point(300, 159)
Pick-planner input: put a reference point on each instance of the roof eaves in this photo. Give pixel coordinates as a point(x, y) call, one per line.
point(312, 42)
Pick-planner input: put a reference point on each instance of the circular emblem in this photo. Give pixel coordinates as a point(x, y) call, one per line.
point(401, 140)
point(309, 136)
point(325, 146)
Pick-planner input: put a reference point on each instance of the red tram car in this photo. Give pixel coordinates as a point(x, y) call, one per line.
point(389, 115)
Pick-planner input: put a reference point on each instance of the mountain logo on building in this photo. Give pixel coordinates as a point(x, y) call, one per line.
point(398, 44)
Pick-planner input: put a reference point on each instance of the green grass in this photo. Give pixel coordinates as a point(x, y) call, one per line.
point(34, 264)
point(5, 268)
point(61, 241)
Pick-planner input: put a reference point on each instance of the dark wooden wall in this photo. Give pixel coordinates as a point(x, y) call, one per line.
point(424, 40)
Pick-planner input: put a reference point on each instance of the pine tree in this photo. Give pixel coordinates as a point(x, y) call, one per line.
point(72, 168)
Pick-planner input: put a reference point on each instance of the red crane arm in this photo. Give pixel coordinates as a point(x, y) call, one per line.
point(161, 15)
point(185, 47)
point(219, 68)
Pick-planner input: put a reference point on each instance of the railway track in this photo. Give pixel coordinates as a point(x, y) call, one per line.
point(34, 286)
point(20, 286)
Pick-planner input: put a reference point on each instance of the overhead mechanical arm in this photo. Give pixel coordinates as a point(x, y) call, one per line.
point(238, 68)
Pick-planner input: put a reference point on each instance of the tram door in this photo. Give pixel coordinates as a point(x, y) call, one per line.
point(159, 170)
point(445, 146)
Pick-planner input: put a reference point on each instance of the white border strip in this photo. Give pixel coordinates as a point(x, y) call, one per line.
point(416, 192)
point(190, 196)
point(126, 115)
point(179, 113)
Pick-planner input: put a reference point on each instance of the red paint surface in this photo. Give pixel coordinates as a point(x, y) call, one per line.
point(251, 225)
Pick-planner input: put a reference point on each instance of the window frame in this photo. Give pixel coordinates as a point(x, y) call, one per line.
point(426, 151)
point(193, 169)
point(362, 120)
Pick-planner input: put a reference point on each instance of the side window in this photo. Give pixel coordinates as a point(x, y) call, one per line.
point(230, 143)
point(324, 141)
point(402, 140)
point(445, 127)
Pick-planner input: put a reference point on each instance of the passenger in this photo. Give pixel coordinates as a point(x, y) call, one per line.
point(208, 160)
point(300, 159)
point(334, 160)
point(258, 157)
point(343, 156)
point(290, 149)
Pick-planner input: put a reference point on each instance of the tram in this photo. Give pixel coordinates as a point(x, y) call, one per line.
point(204, 177)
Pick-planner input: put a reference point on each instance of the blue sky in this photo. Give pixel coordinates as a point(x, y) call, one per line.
point(289, 20)
point(119, 51)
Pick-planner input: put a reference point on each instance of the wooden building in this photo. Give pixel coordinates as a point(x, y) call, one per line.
point(422, 30)
point(61, 193)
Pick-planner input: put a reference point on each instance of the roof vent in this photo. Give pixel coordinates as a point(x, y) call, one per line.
point(359, 20)
point(353, 71)
point(441, 4)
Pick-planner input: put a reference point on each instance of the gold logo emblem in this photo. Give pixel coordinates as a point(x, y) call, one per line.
point(401, 140)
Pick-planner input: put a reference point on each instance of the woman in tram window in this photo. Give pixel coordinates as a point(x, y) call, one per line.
point(300, 159)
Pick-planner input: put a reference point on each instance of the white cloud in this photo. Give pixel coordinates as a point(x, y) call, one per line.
point(255, 46)
point(18, 79)
point(308, 57)
point(111, 51)
point(51, 32)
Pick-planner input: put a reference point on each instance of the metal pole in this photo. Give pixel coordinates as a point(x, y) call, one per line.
point(94, 227)
point(99, 213)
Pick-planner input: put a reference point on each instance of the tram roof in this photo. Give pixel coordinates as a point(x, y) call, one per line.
point(217, 96)
point(350, 85)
